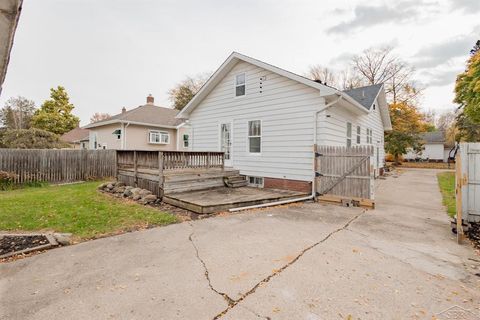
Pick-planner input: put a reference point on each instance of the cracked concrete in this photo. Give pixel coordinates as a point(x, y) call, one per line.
point(307, 261)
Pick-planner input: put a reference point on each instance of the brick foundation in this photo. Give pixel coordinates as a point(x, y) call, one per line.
point(286, 184)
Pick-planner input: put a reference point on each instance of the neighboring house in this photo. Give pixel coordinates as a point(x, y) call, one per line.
point(267, 121)
point(435, 148)
point(147, 127)
point(77, 138)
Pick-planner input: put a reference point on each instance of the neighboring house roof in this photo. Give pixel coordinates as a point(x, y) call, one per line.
point(365, 95)
point(330, 94)
point(75, 135)
point(147, 115)
point(434, 137)
point(9, 15)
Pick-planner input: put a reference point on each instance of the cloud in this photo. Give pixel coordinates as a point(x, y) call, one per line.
point(440, 53)
point(468, 6)
point(442, 78)
point(368, 16)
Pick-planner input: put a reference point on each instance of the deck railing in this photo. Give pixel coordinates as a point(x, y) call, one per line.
point(142, 168)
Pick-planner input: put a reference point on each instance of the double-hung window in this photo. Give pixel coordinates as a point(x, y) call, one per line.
point(254, 136)
point(240, 85)
point(159, 137)
point(369, 136)
point(359, 132)
point(349, 134)
point(186, 141)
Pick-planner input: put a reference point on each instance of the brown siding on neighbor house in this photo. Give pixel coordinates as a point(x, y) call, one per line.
point(286, 184)
point(137, 137)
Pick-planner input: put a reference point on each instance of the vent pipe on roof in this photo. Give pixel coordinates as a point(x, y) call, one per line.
point(363, 94)
point(150, 99)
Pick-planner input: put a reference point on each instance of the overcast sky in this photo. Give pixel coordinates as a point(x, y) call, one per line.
point(113, 53)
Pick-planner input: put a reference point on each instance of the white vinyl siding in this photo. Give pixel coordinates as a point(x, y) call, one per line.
point(285, 108)
point(331, 130)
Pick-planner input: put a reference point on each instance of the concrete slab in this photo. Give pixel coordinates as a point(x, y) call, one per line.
point(302, 261)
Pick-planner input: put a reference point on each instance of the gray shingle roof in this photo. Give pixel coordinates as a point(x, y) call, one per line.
point(434, 137)
point(147, 113)
point(365, 95)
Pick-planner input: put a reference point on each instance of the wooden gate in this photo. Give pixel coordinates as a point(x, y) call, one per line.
point(345, 174)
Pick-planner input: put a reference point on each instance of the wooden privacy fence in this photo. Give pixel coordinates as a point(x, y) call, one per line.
point(146, 169)
point(56, 166)
point(345, 174)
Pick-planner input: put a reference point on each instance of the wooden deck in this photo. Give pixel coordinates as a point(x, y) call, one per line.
point(222, 199)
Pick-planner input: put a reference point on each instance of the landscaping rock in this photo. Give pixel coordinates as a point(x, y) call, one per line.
point(119, 189)
point(109, 186)
point(149, 198)
point(63, 238)
point(120, 184)
point(135, 191)
point(102, 186)
point(136, 197)
point(127, 193)
point(144, 192)
point(128, 188)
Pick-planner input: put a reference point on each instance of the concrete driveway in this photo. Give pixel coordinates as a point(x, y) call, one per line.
point(307, 261)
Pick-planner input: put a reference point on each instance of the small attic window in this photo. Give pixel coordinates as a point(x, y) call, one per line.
point(240, 85)
point(118, 133)
point(374, 106)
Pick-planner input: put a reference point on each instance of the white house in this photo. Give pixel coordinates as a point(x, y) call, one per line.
point(267, 121)
point(435, 148)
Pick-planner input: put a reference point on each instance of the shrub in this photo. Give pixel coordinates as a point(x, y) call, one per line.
point(31, 139)
point(7, 180)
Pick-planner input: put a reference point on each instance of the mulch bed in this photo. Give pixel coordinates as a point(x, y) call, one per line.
point(9, 244)
point(474, 234)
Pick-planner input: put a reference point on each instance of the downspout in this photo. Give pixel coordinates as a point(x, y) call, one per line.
point(328, 106)
point(125, 135)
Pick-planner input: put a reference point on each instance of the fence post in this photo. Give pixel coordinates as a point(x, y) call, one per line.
point(135, 178)
point(160, 174)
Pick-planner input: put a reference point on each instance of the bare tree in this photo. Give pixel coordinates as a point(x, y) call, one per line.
point(349, 79)
point(380, 65)
point(98, 116)
point(17, 113)
point(322, 74)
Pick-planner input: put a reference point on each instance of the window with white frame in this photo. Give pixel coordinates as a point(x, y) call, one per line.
point(240, 85)
point(349, 134)
point(186, 141)
point(369, 136)
point(255, 181)
point(159, 137)
point(359, 133)
point(255, 136)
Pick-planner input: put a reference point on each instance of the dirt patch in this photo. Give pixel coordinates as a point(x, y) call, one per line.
point(17, 243)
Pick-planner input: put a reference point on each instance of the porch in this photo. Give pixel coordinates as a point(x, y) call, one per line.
point(196, 181)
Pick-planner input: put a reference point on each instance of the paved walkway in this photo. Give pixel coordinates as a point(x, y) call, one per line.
point(306, 261)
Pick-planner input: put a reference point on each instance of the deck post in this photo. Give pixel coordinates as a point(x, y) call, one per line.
point(208, 160)
point(135, 178)
point(160, 174)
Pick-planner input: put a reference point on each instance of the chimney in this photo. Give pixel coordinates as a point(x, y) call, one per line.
point(150, 99)
point(124, 110)
point(363, 94)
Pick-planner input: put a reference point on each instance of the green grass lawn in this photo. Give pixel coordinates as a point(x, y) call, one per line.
point(446, 181)
point(78, 209)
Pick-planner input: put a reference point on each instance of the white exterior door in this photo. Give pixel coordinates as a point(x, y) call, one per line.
point(226, 142)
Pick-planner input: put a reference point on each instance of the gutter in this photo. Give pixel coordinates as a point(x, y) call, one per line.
point(312, 196)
